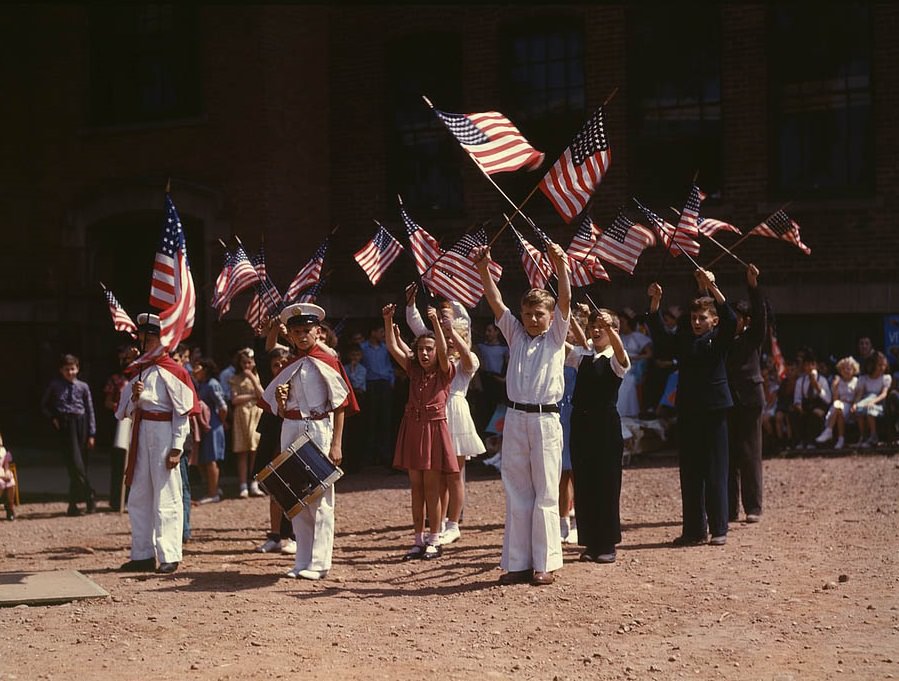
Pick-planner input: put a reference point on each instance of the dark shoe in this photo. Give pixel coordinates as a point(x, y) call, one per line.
point(416, 552)
point(432, 552)
point(166, 568)
point(73, 511)
point(720, 540)
point(689, 541)
point(588, 556)
point(10, 514)
point(516, 577)
point(543, 579)
point(753, 517)
point(606, 557)
point(145, 565)
point(90, 506)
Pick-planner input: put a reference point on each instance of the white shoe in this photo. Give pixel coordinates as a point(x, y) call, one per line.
point(289, 547)
point(450, 535)
point(255, 491)
point(244, 492)
point(312, 574)
point(210, 500)
point(270, 546)
point(825, 436)
point(840, 443)
point(495, 461)
point(572, 536)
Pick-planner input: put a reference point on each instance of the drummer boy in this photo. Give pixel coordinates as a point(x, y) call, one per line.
point(313, 396)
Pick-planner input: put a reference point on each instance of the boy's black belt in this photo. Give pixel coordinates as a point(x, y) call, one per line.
point(533, 408)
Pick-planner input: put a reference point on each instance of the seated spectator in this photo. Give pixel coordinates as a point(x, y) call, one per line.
point(811, 400)
point(782, 423)
point(871, 393)
point(843, 390)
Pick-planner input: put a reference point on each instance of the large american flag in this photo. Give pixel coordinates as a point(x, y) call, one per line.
point(782, 226)
point(622, 242)
point(492, 141)
point(455, 276)
point(711, 226)
point(425, 248)
point(682, 241)
point(172, 287)
point(121, 321)
point(378, 254)
point(310, 273)
point(241, 275)
point(583, 264)
point(574, 177)
point(536, 266)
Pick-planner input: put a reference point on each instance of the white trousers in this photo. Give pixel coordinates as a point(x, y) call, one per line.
point(155, 506)
point(532, 467)
point(314, 526)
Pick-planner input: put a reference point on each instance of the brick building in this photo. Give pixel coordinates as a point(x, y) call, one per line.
point(288, 120)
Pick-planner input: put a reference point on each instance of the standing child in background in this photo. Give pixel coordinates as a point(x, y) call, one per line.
point(494, 356)
point(596, 442)
point(843, 391)
point(424, 446)
point(353, 456)
point(212, 447)
point(112, 392)
point(68, 404)
point(532, 435)
point(7, 481)
point(870, 394)
point(783, 425)
point(246, 389)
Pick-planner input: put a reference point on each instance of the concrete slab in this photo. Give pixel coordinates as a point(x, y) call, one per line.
point(46, 588)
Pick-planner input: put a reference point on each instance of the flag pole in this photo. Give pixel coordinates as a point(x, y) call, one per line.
point(718, 244)
point(263, 284)
point(662, 230)
point(533, 260)
point(748, 234)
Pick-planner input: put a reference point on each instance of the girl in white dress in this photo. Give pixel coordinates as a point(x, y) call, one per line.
point(844, 386)
point(639, 351)
point(870, 393)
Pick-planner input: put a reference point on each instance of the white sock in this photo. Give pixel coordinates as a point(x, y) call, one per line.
point(451, 525)
point(434, 539)
point(565, 526)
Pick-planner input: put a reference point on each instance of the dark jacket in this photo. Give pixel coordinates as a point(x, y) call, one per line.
point(702, 381)
point(744, 372)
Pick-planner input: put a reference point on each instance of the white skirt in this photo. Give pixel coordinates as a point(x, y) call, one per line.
point(465, 437)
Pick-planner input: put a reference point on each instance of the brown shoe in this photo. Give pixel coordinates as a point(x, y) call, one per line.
point(543, 578)
point(516, 577)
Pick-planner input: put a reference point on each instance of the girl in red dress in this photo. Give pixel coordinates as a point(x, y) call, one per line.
point(424, 447)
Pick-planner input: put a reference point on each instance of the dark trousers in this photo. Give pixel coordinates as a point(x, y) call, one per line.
point(809, 422)
point(378, 404)
point(75, 455)
point(744, 434)
point(116, 473)
point(703, 471)
point(596, 450)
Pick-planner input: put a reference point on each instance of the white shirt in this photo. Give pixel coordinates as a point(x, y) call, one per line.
point(535, 373)
point(155, 397)
point(802, 386)
point(579, 351)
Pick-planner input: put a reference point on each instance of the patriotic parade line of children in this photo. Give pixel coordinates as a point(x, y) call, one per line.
point(560, 386)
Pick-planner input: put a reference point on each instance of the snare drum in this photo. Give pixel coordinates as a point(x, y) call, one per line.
point(298, 476)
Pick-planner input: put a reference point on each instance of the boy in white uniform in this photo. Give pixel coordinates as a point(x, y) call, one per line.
point(313, 395)
point(532, 436)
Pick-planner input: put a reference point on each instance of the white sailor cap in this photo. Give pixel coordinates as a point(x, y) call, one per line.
point(148, 322)
point(302, 313)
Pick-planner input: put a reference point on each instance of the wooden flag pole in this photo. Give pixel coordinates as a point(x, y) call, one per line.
point(718, 244)
point(533, 260)
point(263, 284)
point(747, 235)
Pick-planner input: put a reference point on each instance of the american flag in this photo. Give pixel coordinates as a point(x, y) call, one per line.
point(121, 321)
point(267, 301)
point(492, 141)
point(711, 226)
point(310, 272)
point(572, 180)
point(582, 261)
point(782, 226)
point(455, 277)
point(311, 293)
point(536, 266)
point(622, 242)
point(241, 275)
point(221, 281)
point(425, 248)
point(173, 282)
point(378, 254)
point(682, 241)
point(689, 215)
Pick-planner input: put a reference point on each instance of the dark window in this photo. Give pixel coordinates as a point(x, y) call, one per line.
point(821, 95)
point(674, 78)
point(144, 63)
point(424, 161)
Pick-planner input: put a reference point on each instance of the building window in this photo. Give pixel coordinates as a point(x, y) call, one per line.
point(820, 74)
point(424, 159)
point(144, 63)
point(674, 79)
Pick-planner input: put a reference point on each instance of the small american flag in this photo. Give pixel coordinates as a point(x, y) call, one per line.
point(455, 277)
point(425, 248)
point(689, 215)
point(574, 177)
point(266, 301)
point(711, 226)
point(378, 254)
point(585, 267)
point(311, 293)
point(623, 242)
point(172, 281)
point(492, 141)
point(536, 266)
point(241, 276)
point(310, 273)
point(221, 281)
point(783, 227)
point(682, 241)
point(121, 321)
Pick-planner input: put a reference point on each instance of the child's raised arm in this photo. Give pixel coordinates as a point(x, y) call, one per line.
point(481, 256)
point(439, 339)
point(390, 338)
point(560, 264)
point(578, 333)
point(605, 322)
point(465, 352)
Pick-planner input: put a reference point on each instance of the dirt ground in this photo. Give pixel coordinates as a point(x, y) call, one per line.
point(812, 592)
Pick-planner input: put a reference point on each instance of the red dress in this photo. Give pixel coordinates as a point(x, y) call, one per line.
point(424, 442)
